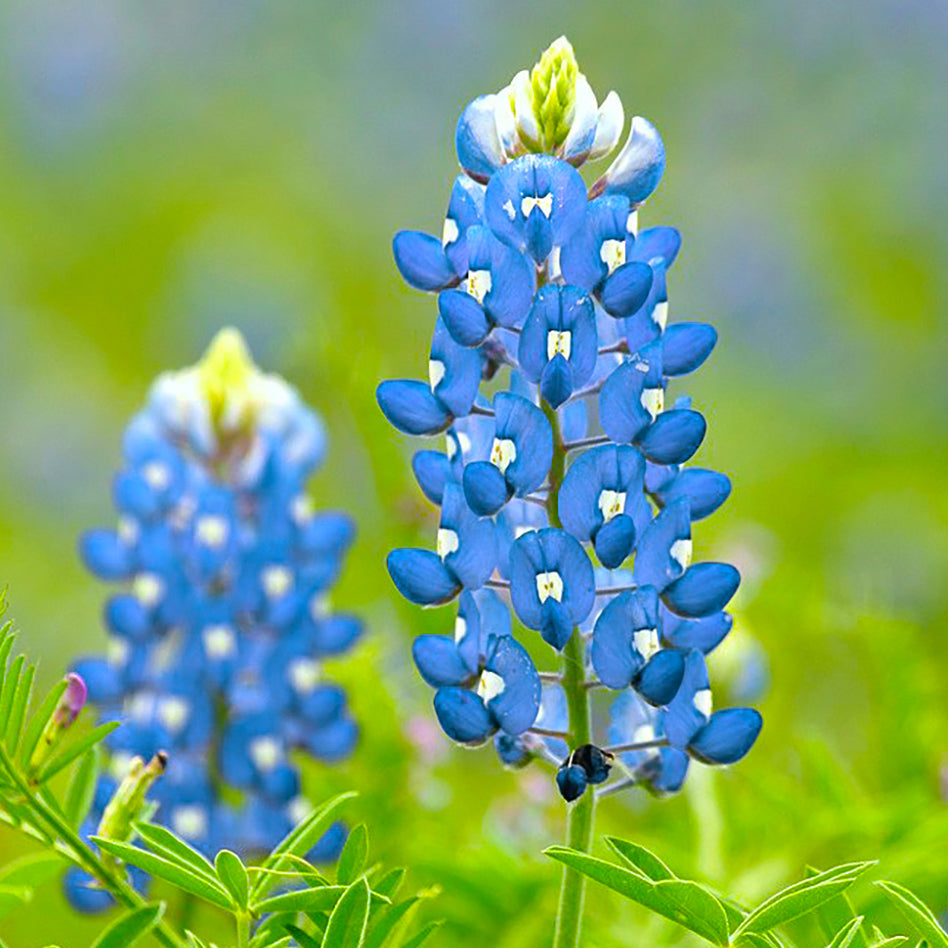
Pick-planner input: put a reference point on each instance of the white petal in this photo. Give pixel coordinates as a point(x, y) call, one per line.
point(506, 120)
point(609, 129)
point(581, 133)
point(523, 106)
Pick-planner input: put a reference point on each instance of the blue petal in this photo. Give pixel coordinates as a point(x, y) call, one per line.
point(621, 412)
point(464, 316)
point(327, 534)
point(571, 782)
point(515, 708)
point(438, 661)
point(465, 209)
point(682, 719)
point(476, 139)
point(511, 750)
point(125, 616)
point(704, 634)
point(638, 168)
point(727, 737)
point(656, 246)
point(105, 554)
point(655, 561)
point(614, 541)
point(665, 772)
point(626, 289)
point(523, 423)
point(412, 407)
point(421, 577)
point(661, 678)
point(422, 262)
point(432, 471)
point(673, 437)
point(581, 258)
point(513, 280)
point(133, 495)
point(705, 490)
point(685, 346)
point(574, 420)
point(555, 625)
point(485, 488)
point(103, 680)
point(468, 632)
point(458, 386)
point(705, 588)
point(614, 657)
point(336, 633)
point(463, 716)
point(556, 382)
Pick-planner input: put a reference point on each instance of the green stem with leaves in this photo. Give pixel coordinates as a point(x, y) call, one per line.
point(582, 813)
point(80, 852)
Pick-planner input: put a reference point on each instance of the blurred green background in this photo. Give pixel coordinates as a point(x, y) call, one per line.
point(167, 168)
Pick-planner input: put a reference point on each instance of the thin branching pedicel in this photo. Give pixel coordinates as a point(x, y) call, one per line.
point(563, 486)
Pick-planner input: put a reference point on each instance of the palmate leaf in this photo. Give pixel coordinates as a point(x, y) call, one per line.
point(916, 912)
point(801, 898)
point(686, 903)
point(353, 857)
point(300, 840)
point(67, 756)
point(129, 928)
point(178, 875)
point(349, 919)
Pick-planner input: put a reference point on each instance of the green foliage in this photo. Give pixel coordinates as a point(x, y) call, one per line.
point(130, 928)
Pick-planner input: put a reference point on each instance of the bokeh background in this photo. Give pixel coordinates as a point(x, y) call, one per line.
point(169, 168)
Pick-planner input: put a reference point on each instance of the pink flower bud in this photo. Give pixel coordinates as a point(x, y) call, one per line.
point(72, 701)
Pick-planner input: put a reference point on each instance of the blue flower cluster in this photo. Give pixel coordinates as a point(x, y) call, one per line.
point(220, 630)
point(564, 484)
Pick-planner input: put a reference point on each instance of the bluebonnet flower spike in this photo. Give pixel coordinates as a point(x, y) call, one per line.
point(553, 295)
point(220, 631)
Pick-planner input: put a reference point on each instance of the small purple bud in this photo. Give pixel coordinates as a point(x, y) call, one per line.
point(72, 701)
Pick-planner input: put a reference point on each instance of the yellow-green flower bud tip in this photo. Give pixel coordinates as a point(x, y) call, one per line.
point(226, 372)
point(128, 802)
point(553, 92)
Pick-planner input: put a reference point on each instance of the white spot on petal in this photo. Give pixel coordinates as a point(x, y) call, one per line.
point(116, 651)
point(503, 453)
point(447, 542)
point(460, 628)
point(157, 475)
point(301, 510)
point(510, 209)
point(173, 712)
point(212, 530)
point(303, 674)
point(660, 315)
point(611, 503)
point(702, 702)
point(436, 372)
point(680, 552)
point(550, 584)
point(128, 531)
point(490, 686)
point(612, 254)
point(265, 752)
point(319, 606)
point(653, 401)
point(479, 283)
point(189, 821)
point(219, 641)
point(559, 342)
point(449, 233)
point(277, 580)
point(544, 202)
point(298, 809)
point(646, 643)
point(632, 223)
point(148, 589)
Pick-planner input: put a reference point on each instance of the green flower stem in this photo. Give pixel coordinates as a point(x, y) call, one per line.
point(111, 879)
point(582, 813)
point(243, 929)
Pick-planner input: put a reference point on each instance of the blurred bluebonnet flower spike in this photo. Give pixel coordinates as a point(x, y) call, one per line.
point(222, 624)
point(549, 291)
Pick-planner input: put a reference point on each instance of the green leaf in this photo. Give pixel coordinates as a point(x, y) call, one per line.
point(845, 936)
point(21, 700)
point(66, 757)
point(802, 897)
point(638, 857)
point(686, 903)
point(917, 913)
point(422, 936)
point(173, 848)
point(181, 876)
point(12, 897)
point(353, 856)
point(390, 883)
point(300, 840)
point(39, 719)
point(753, 940)
point(347, 924)
point(81, 790)
point(833, 914)
point(32, 870)
point(130, 927)
point(193, 940)
point(301, 900)
point(387, 921)
point(892, 942)
point(304, 939)
point(10, 681)
point(233, 874)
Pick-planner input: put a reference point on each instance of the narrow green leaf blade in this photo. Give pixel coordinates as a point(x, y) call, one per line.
point(233, 874)
point(173, 848)
point(835, 913)
point(10, 682)
point(38, 720)
point(347, 924)
point(802, 898)
point(353, 857)
point(316, 899)
point(422, 936)
point(683, 902)
point(81, 790)
point(66, 757)
point(916, 912)
point(638, 857)
point(21, 701)
point(127, 929)
point(844, 937)
point(390, 883)
point(892, 942)
point(181, 876)
point(304, 939)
